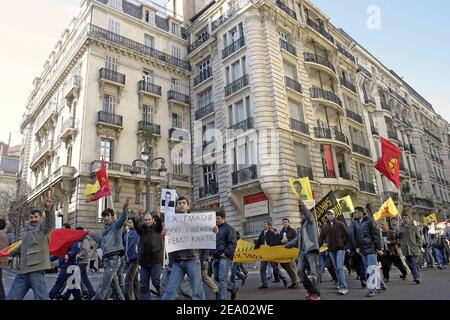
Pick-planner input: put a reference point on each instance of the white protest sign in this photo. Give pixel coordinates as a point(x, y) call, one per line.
point(190, 231)
point(168, 201)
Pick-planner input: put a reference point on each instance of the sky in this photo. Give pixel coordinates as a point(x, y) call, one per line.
point(412, 38)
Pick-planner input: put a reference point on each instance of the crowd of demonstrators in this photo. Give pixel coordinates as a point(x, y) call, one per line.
point(135, 247)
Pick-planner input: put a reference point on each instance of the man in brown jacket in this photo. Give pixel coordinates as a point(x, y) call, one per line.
point(335, 235)
point(391, 253)
point(4, 260)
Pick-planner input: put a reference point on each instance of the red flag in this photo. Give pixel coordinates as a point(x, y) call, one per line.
point(329, 161)
point(62, 239)
point(102, 178)
point(389, 164)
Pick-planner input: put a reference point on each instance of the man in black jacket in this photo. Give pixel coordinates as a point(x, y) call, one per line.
point(268, 237)
point(287, 234)
point(368, 243)
point(223, 255)
point(151, 251)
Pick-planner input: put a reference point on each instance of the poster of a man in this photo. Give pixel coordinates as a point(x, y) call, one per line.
point(298, 190)
point(168, 198)
point(167, 201)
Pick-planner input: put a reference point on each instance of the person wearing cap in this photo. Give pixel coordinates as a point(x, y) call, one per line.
point(335, 235)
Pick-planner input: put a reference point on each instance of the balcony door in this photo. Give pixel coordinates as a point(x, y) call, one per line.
point(296, 111)
point(109, 104)
point(148, 76)
point(111, 63)
point(176, 85)
point(147, 113)
point(209, 176)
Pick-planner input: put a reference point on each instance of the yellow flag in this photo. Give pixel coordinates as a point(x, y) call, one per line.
point(347, 207)
point(323, 249)
point(92, 189)
point(388, 209)
point(431, 218)
point(302, 187)
point(246, 252)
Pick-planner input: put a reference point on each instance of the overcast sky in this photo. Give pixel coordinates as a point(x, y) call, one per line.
point(414, 41)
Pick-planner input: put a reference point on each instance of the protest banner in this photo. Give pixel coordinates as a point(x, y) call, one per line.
point(431, 218)
point(328, 202)
point(190, 231)
point(246, 252)
point(347, 207)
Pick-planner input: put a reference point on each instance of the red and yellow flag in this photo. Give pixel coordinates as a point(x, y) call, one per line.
point(101, 187)
point(389, 164)
point(7, 251)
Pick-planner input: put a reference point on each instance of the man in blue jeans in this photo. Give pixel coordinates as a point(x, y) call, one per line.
point(368, 244)
point(334, 234)
point(112, 246)
point(34, 254)
point(223, 255)
point(185, 262)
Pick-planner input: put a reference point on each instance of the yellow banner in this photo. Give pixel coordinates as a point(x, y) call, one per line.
point(431, 218)
point(246, 252)
point(302, 188)
point(388, 209)
point(347, 207)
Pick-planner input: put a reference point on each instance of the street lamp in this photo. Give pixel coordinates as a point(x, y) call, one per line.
point(148, 163)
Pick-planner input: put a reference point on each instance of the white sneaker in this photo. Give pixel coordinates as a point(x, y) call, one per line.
point(343, 292)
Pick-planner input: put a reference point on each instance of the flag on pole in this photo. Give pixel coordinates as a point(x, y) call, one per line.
point(431, 218)
point(7, 251)
point(388, 209)
point(389, 164)
point(62, 239)
point(101, 187)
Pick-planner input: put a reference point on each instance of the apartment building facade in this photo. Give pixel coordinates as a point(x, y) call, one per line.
point(275, 80)
point(250, 92)
point(115, 81)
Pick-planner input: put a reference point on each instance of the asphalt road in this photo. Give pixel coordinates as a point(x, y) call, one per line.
point(435, 285)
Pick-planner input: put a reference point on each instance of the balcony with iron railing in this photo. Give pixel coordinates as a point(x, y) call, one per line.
point(236, 6)
point(44, 151)
point(233, 47)
point(244, 175)
point(293, 84)
point(369, 100)
point(330, 134)
point(288, 47)
point(367, 187)
point(103, 34)
point(345, 53)
point(314, 58)
point(431, 134)
point(74, 86)
point(68, 128)
point(305, 172)
point(339, 136)
point(176, 96)
point(393, 195)
point(385, 106)
point(361, 150)
point(149, 88)
point(197, 43)
point(203, 76)
point(112, 76)
point(354, 116)
point(209, 190)
point(317, 27)
point(347, 84)
point(299, 126)
point(286, 9)
point(204, 111)
point(236, 85)
point(242, 126)
point(397, 96)
point(321, 94)
point(364, 71)
point(109, 119)
point(149, 128)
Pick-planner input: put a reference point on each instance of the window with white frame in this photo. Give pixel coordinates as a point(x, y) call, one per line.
point(208, 131)
point(302, 155)
point(147, 113)
point(239, 111)
point(209, 175)
point(149, 16)
point(117, 4)
point(176, 85)
point(178, 163)
point(296, 110)
point(109, 104)
point(176, 29)
point(111, 63)
point(177, 120)
point(204, 98)
point(148, 76)
point(106, 150)
point(113, 26)
point(149, 41)
point(176, 51)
